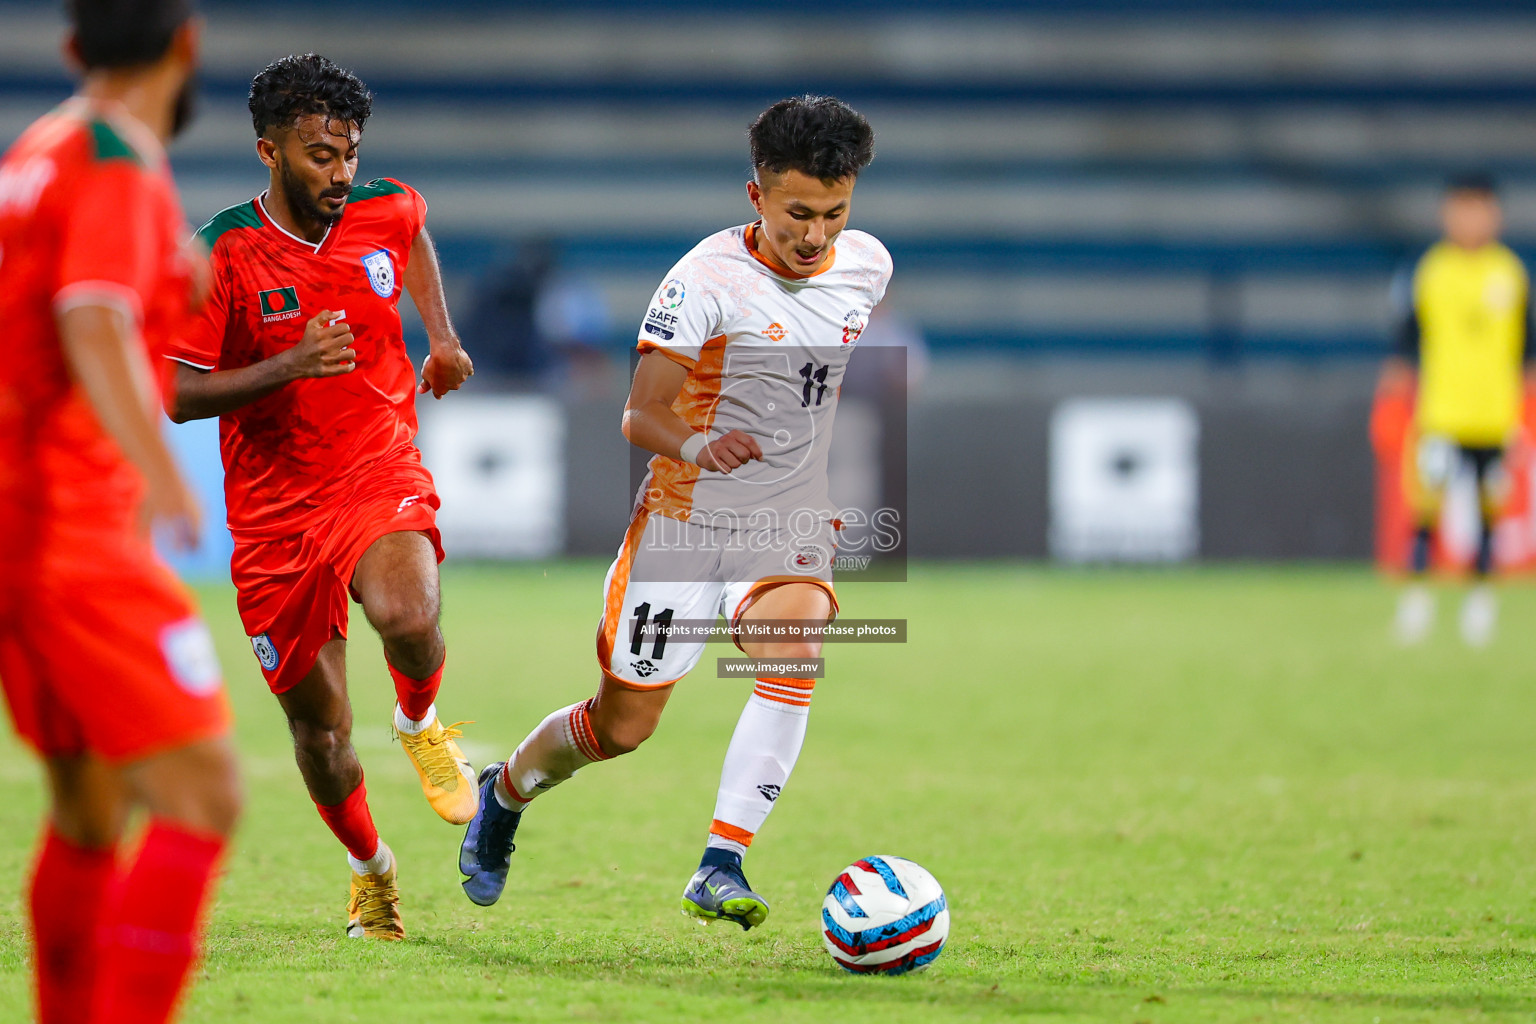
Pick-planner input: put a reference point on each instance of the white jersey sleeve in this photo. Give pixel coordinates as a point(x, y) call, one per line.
point(683, 315)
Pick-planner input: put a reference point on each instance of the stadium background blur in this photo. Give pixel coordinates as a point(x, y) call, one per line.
point(1200, 204)
point(1150, 249)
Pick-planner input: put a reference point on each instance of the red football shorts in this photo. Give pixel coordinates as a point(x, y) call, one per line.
point(109, 657)
point(292, 592)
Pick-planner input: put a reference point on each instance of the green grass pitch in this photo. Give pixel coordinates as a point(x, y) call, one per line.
point(1203, 795)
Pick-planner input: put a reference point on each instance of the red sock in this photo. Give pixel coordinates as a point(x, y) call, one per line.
point(70, 887)
point(416, 695)
point(352, 823)
point(154, 933)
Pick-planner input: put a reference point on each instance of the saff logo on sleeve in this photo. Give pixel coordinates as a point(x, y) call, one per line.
point(278, 304)
point(381, 273)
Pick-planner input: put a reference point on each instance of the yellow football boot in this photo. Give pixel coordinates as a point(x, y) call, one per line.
point(373, 911)
point(446, 776)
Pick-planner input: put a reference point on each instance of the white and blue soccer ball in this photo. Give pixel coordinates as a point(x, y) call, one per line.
point(884, 915)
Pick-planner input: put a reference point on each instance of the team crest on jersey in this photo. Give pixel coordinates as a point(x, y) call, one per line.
point(671, 295)
point(278, 304)
point(853, 326)
point(265, 652)
point(381, 273)
point(775, 332)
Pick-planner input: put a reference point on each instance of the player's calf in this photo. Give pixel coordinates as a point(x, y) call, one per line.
point(555, 750)
point(620, 718)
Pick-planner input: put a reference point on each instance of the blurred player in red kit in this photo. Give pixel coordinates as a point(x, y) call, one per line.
point(299, 352)
point(108, 671)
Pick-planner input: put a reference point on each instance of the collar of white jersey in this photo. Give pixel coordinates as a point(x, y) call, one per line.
point(748, 238)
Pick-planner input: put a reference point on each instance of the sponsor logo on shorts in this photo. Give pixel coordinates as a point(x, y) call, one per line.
point(645, 669)
point(189, 654)
point(806, 560)
point(661, 323)
point(381, 273)
point(775, 332)
point(278, 304)
point(265, 652)
point(406, 503)
point(671, 294)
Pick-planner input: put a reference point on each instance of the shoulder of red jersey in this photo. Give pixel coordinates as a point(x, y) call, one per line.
point(240, 217)
point(391, 197)
point(70, 142)
point(378, 188)
point(110, 142)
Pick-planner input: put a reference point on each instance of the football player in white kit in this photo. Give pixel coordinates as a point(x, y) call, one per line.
point(743, 351)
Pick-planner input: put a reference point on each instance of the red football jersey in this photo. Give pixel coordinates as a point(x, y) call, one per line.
point(88, 216)
point(285, 455)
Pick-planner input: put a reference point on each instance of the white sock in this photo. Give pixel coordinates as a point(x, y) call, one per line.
point(722, 843)
point(758, 762)
point(381, 861)
point(410, 726)
point(552, 753)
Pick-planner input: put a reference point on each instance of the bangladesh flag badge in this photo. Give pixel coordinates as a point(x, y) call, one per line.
point(278, 303)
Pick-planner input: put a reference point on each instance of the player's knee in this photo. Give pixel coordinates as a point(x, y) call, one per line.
point(221, 801)
point(802, 650)
point(198, 788)
point(322, 742)
point(405, 621)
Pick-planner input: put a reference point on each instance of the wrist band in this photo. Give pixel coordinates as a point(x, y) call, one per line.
point(689, 452)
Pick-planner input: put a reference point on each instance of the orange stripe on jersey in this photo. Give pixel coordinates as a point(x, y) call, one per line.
point(613, 609)
point(731, 832)
point(774, 265)
point(671, 489)
point(672, 354)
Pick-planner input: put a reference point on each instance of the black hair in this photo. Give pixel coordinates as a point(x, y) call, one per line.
point(125, 33)
point(307, 83)
point(1477, 182)
point(815, 135)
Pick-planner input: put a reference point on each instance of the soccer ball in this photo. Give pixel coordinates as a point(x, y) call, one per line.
point(884, 915)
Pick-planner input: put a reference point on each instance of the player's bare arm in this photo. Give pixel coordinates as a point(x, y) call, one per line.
point(325, 350)
point(650, 423)
point(447, 365)
point(106, 358)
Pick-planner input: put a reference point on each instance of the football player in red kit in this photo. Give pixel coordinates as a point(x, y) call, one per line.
point(108, 670)
point(299, 352)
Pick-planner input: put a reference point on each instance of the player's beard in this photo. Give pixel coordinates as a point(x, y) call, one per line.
point(186, 106)
point(306, 207)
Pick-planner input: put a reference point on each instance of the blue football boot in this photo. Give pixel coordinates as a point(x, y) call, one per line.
point(719, 891)
point(486, 853)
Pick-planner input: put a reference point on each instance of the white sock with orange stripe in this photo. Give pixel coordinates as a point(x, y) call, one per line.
point(552, 753)
point(762, 753)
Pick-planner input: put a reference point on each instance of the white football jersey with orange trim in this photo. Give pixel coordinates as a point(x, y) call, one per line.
point(765, 351)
